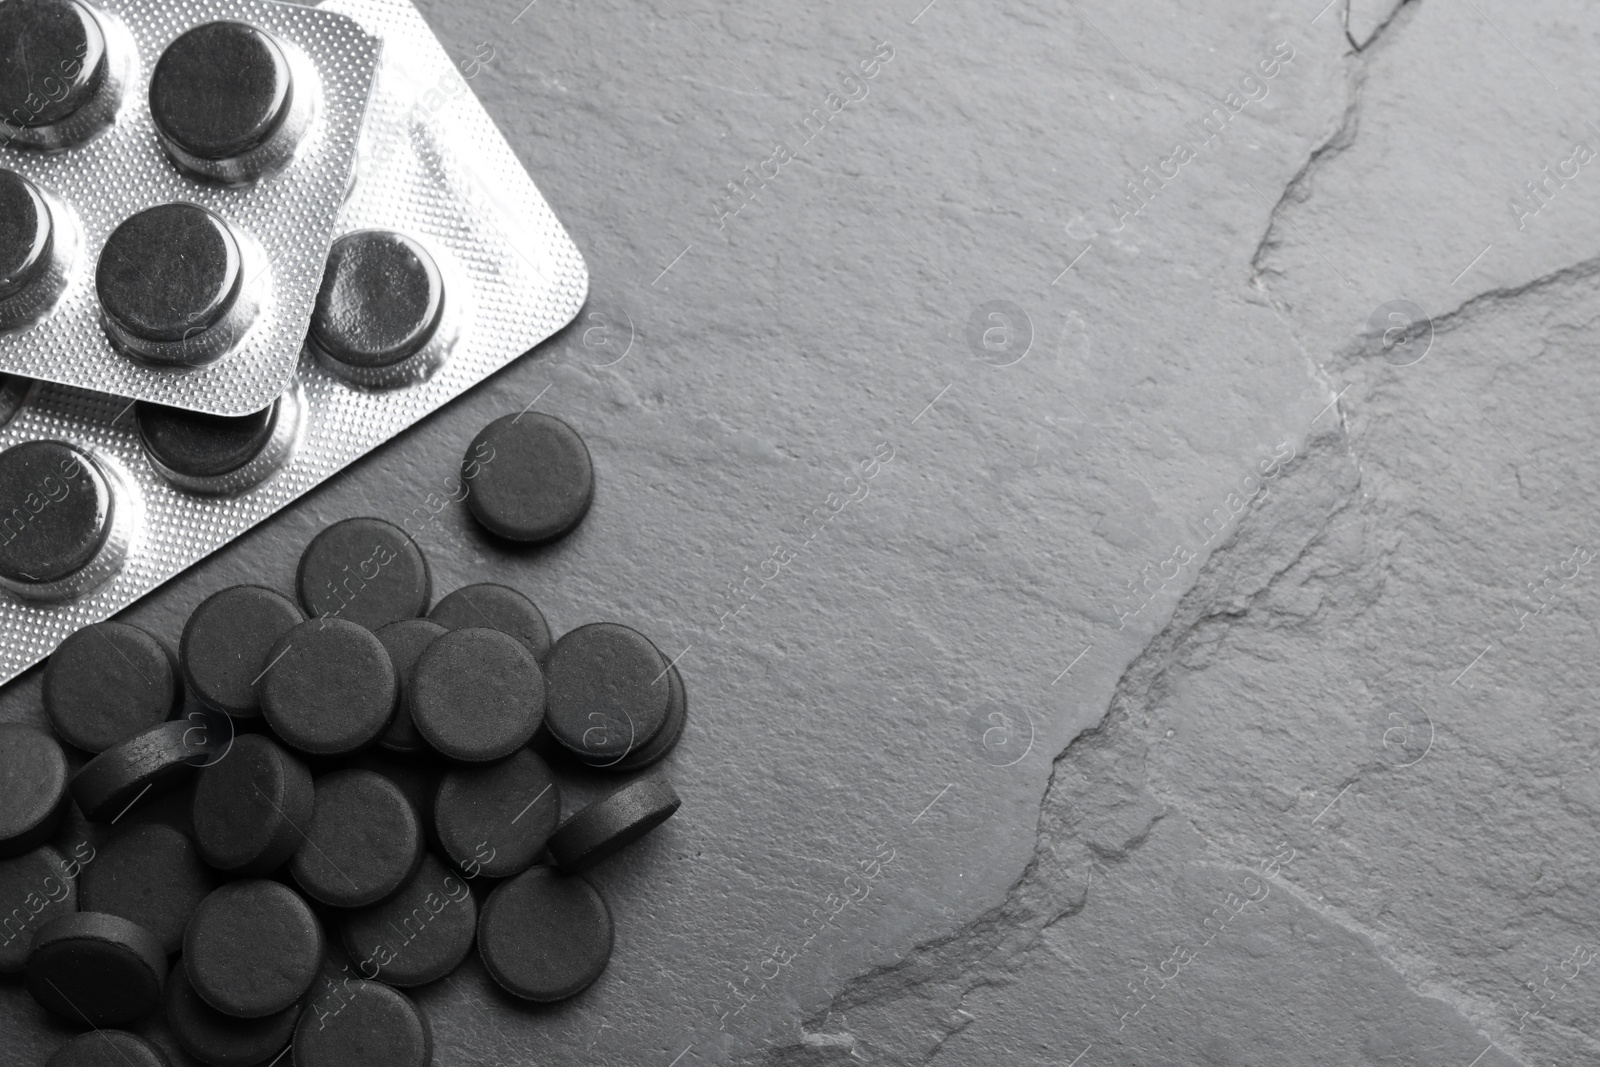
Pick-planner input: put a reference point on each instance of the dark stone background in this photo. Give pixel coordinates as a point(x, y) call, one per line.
point(1269, 809)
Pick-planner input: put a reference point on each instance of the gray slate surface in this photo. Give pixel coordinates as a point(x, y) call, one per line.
point(1318, 788)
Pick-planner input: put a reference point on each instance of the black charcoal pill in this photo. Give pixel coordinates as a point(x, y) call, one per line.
point(107, 682)
point(545, 937)
point(96, 970)
point(56, 512)
point(609, 825)
point(363, 844)
point(27, 229)
point(252, 948)
point(494, 820)
point(108, 1048)
point(418, 935)
point(381, 302)
point(529, 478)
point(416, 773)
point(365, 570)
point(142, 768)
point(477, 695)
point(329, 687)
point(52, 61)
point(33, 788)
point(169, 273)
point(225, 644)
point(35, 887)
point(376, 1026)
point(405, 641)
point(498, 607)
point(677, 717)
point(216, 453)
point(251, 808)
point(219, 1040)
point(150, 874)
point(609, 692)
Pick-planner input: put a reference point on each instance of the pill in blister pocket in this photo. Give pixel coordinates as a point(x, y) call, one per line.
point(37, 243)
point(61, 533)
point(58, 85)
point(219, 454)
point(380, 311)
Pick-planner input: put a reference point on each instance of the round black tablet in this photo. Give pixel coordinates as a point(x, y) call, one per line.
point(498, 607)
point(169, 273)
point(405, 642)
point(494, 820)
point(363, 844)
point(52, 61)
point(534, 480)
point(416, 773)
point(59, 509)
point(108, 1048)
point(250, 809)
point(252, 948)
point(107, 682)
point(220, 1040)
point(142, 768)
point(33, 788)
point(225, 644)
point(665, 741)
point(221, 90)
point(150, 874)
point(27, 230)
point(195, 447)
point(375, 1027)
point(609, 692)
point(381, 302)
point(609, 825)
point(35, 887)
point(418, 935)
point(543, 936)
point(329, 687)
point(365, 570)
point(477, 695)
point(96, 970)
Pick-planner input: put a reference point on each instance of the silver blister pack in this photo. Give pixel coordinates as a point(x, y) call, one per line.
point(438, 172)
point(112, 160)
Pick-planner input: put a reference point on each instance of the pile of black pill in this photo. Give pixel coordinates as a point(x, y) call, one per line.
point(370, 794)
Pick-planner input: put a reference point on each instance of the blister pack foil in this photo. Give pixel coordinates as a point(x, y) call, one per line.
point(436, 170)
point(284, 219)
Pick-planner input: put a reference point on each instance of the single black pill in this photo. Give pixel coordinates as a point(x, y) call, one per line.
point(27, 230)
point(545, 937)
point(363, 844)
point(169, 272)
point(142, 768)
point(150, 874)
point(365, 570)
point(251, 809)
point(56, 510)
point(96, 970)
point(498, 607)
point(108, 1048)
point(418, 935)
point(381, 300)
point(477, 695)
point(609, 692)
point(35, 887)
point(252, 948)
point(329, 687)
point(677, 717)
point(221, 90)
point(610, 824)
point(107, 682)
point(197, 445)
point(416, 773)
point(220, 1040)
point(52, 61)
point(529, 477)
point(375, 1027)
point(494, 820)
point(405, 642)
point(225, 644)
point(33, 788)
